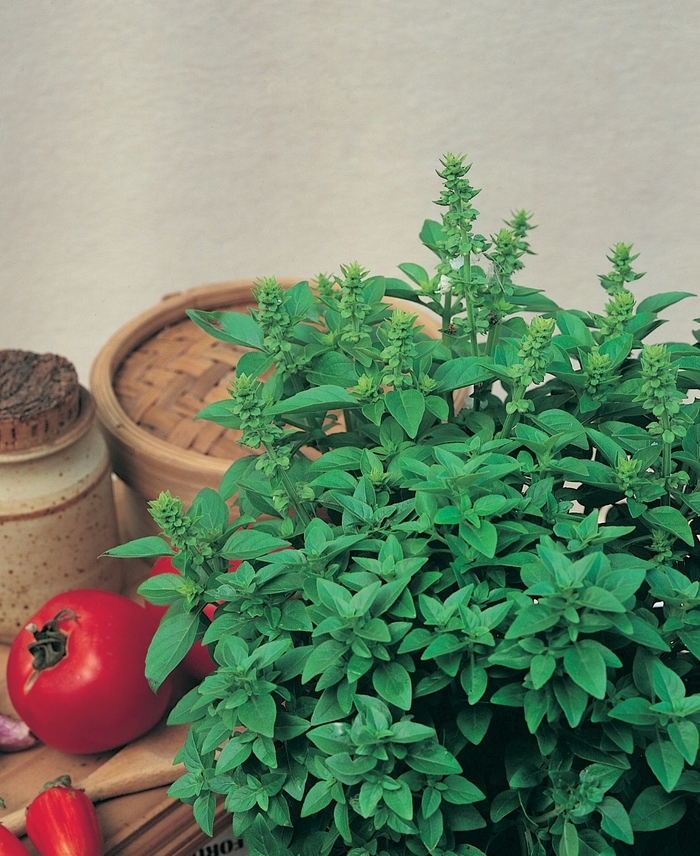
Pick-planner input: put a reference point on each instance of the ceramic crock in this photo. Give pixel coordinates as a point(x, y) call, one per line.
point(56, 517)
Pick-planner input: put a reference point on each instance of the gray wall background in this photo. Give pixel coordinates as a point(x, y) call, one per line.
point(148, 147)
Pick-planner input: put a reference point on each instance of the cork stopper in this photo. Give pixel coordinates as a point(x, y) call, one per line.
point(39, 399)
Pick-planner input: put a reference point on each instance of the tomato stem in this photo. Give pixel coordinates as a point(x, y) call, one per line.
point(61, 782)
point(49, 646)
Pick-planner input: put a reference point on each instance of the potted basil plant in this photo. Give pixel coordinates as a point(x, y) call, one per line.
point(467, 619)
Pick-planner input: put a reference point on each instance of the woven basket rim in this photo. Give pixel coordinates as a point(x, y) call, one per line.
point(133, 334)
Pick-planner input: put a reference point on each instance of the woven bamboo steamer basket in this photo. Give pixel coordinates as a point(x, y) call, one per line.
point(151, 379)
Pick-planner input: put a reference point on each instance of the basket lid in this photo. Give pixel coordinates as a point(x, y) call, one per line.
point(166, 381)
point(153, 377)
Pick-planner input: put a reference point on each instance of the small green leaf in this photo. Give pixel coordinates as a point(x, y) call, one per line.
point(461, 791)
point(532, 619)
point(415, 272)
point(233, 475)
point(542, 668)
point(595, 597)
point(691, 640)
point(162, 589)
point(510, 695)
point(174, 637)
point(474, 679)
point(607, 445)
point(298, 300)
point(251, 544)
point(616, 821)
point(258, 714)
point(438, 407)
point(504, 803)
point(617, 348)
point(400, 800)
point(569, 844)
point(393, 683)
point(684, 736)
point(572, 700)
point(141, 548)
point(210, 510)
point(657, 302)
point(671, 520)
point(573, 326)
point(203, 810)
point(370, 796)
point(668, 686)
point(319, 399)
point(331, 738)
point(407, 731)
point(318, 797)
point(185, 787)
point(534, 709)
point(666, 763)
point(585, 666)
point(323, 656)
point(431, 800)
point(342, 821)
point(431, 829)
point(332, 368)
point(561, 422)
point(459, 373)
point(374, 411)
point(234, 753)
point(463, 818)
point(484, 537)
point(636, 711)
point(237, 327)
point(407, 406)
point(433, 759)
point(252, 363)
point(655, 809)
point(288, 726)
point(259, 839)
point(432, 234)
point(474, 722)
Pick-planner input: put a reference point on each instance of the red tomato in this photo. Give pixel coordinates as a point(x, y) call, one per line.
point(61, 821)
point(198, 662)
point(10, 845)
point(94, 696)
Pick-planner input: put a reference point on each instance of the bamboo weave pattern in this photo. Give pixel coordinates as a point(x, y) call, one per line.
point(169, 378)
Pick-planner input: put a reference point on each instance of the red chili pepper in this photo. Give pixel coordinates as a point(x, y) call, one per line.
point(61, 821)
point(10, 845)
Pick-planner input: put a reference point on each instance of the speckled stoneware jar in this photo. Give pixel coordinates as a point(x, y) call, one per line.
point(56, 505)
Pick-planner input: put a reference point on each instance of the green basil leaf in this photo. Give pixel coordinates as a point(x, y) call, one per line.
point(585, 666)
point(671, 520)
point(141, 548)
point(407, 406)
point(461, 372)
point(251, 544)
point(237, 327)
point(433, 759)
point(655, 809)
point(616, 821)
point(174, 637)
point(666, 763)
point(393, 683)
point(320, 399)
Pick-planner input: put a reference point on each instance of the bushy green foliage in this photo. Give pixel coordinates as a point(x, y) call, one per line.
point(462, 625)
